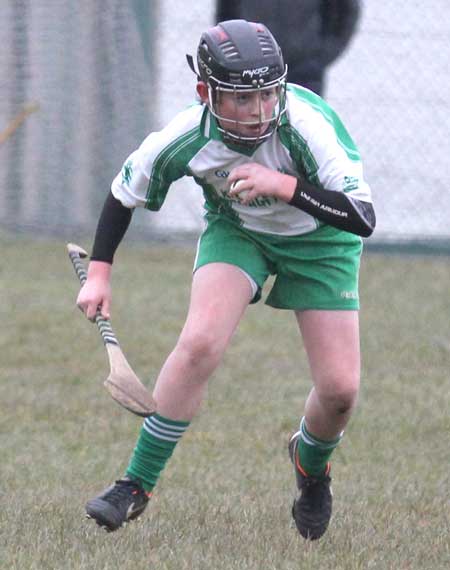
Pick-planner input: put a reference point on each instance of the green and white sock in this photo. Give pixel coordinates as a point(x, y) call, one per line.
point(155, 445)
point(314, 453)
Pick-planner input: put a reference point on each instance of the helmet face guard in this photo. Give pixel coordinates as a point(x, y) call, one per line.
point(232, 129)
point(237, 57)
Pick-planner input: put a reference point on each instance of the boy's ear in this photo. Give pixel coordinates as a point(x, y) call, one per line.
point(202, 91)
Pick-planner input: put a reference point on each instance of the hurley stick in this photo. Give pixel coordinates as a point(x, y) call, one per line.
point(122, 383)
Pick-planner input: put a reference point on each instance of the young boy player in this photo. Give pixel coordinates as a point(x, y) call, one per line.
point(284, 195)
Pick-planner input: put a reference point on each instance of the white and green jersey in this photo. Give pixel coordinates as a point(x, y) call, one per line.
point(311, 141)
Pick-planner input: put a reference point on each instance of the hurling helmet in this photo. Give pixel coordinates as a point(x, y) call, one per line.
point(238, 57)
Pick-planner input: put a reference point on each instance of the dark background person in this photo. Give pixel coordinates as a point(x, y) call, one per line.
point(312, 33)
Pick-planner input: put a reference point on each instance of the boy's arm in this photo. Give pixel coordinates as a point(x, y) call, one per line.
point(335, 208)
point(112, 226)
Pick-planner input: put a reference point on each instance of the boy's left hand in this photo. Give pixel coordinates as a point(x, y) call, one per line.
point(258, 180)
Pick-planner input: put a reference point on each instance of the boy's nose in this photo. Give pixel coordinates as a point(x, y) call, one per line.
point(256, 109)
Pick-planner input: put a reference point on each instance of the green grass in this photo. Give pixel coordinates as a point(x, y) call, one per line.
point(224, 500)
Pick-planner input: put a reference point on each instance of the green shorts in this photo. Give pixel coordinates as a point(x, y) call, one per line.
point(317, 270)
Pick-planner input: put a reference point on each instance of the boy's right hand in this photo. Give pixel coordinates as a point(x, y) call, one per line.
point(96, 292)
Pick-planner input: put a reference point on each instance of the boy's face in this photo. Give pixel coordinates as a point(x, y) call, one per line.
point(243, 113)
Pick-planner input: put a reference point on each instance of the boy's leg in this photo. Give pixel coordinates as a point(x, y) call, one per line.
point(331, 339)
point(220, 294)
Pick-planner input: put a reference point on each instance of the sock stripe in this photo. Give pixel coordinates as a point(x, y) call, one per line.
point(157, 441)
point(161, 430)
point(172, 424)
point(315, 442)
point(158, 435)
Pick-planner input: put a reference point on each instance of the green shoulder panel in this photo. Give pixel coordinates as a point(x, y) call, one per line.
point(319, 105)
point(171, 164)
point(300, 152)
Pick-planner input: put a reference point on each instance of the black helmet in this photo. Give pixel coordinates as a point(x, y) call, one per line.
point(237, 56)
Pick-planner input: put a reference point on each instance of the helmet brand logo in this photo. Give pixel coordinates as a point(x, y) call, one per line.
point(205, 67)
point(255, 71)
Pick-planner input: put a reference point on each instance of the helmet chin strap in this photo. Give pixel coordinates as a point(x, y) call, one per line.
point(191, 64)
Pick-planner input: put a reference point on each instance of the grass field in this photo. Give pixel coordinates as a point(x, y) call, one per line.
point(224, 500)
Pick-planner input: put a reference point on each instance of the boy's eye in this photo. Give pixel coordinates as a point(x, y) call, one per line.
point(268, 95)
point(244, 98)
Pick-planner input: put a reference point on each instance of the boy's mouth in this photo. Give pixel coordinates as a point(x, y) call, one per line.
point(256, 129)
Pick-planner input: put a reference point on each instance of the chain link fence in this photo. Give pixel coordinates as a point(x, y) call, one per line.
point(83, 83)
point(391, 89)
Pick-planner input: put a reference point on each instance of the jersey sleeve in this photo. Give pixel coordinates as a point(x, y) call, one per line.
point(131, 183)
point(162, 158)
point(324, 150)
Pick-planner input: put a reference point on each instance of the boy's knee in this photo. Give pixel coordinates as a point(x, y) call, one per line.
point(345, 401)
point(341, 398)
point(201, 347)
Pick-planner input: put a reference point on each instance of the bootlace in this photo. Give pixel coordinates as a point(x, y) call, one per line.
point(121, 490)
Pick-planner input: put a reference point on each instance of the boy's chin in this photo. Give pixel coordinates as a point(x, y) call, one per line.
point(247, 131)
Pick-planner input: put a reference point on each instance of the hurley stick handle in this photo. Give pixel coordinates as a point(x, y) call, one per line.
point(122, 383)
point(76, 254)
